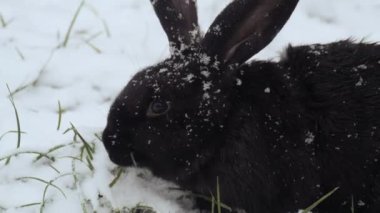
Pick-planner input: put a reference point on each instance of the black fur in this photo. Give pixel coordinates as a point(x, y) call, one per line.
point(277, 135)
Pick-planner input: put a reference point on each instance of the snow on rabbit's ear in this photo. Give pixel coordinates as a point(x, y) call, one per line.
point(179, 20)
point(244, 28)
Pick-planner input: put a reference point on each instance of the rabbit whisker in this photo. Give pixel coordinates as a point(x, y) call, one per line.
point(133, 159)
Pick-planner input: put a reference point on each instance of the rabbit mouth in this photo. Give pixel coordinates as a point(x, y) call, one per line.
point(129, 159)
point(120, 159)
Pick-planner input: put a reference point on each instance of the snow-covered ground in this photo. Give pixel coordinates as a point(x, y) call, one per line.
point(109, 42)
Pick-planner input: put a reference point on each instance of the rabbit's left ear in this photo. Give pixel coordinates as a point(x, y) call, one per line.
point(245, 27)
point(179, 20)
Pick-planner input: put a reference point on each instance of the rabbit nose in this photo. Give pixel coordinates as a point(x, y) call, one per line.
point(110, 136)
point(112, 139)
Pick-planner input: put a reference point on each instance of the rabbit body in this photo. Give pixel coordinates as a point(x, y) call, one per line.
point(277, 136)
point(302, 127)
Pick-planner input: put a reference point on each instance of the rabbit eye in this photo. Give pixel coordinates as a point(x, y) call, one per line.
point(157, 108)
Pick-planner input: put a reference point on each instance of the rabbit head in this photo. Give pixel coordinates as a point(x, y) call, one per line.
point(166, 115)
point(171, 117)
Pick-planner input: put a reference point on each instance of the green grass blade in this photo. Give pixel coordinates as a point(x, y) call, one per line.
point(27, 152)
point(44, 198)
point(60, 111)
point(106, 28)
point(2, 21)
point(11, 131)
point(55, 169)
point(218, 202)
point(68, 130)
point(20, 53)
point(17, 122)
point(38, 78)
point(98, 137)
point(52, 150)
point(8, 161)
point(83, 205)
point(93, 47)
point(87, 146)
point(77, 159)
point(50, 183)
point(67, 36)
point(90, 164)
point(94, 36)
point(212, 200)
point(118, 175)
point(17, 118)
point(212, 203)
point(28, 205)
point(105, 25)
point(315, 204)
point(139, 208)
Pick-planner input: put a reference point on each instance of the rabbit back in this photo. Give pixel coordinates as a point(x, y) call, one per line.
point(317, 113)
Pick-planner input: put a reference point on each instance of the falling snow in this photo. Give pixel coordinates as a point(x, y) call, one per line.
point(86, 76)
point(309, 138)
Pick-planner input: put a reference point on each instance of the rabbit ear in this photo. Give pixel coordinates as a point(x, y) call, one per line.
point(179, 20)
point(245, 27)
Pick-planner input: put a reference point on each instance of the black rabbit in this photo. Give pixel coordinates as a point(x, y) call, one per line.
point(277, 135)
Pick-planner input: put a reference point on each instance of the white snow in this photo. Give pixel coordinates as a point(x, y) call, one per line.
point(309, 137)
point(109, 42)
point(189, 77)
